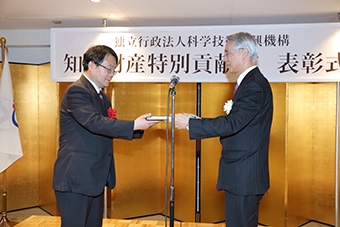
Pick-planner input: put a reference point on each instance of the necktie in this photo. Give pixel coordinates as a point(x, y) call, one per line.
point(100, 95)
point(235, 87)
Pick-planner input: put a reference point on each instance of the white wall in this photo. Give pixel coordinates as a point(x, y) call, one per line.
point(27, 46)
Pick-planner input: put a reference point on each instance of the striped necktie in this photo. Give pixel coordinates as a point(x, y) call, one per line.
point(100, 95)
point(235, 87)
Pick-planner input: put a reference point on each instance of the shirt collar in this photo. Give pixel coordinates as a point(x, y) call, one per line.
point(93, 84)
point(245, 72)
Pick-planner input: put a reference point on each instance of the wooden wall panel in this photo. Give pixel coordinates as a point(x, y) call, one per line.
point(137, 192)
point(323, 184)
point(48, 132)
point(300, 153)
point(214, 95)
point(22, 175)
point(273, 204)
point(185, 154)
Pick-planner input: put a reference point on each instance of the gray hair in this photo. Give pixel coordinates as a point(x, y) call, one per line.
point(244, 40)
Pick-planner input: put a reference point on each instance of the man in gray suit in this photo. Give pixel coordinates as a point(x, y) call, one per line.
point(85, 163)
point(244, 134)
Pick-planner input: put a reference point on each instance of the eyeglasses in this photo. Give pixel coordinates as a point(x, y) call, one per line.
point(226, 52)
point(109, 71)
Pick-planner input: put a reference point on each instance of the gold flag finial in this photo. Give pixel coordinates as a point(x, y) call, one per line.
point(3, 46)
point(3, 41)
point(3, 49)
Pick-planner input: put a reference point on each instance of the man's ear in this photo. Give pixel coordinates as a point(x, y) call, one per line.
point(245, 52)
point(92, 66)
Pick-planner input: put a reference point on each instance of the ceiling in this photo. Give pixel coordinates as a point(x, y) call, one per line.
point(40, 14)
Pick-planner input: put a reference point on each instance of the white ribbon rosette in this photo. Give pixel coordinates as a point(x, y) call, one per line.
point(227, 106)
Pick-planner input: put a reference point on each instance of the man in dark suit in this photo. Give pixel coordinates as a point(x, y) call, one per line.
point(244, 134)
point(85, 163)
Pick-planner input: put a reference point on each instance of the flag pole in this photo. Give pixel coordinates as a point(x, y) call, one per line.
point(4, 220)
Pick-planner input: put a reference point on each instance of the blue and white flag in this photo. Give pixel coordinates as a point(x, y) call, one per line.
point(10, 145)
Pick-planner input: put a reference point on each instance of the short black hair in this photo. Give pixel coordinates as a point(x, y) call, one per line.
point(97, 54)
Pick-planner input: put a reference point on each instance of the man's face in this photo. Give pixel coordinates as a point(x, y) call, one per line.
point(232, 58)
point(103, 73)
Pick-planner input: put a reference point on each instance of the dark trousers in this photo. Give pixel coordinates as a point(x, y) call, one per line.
point(78, 210)
point(241, 211)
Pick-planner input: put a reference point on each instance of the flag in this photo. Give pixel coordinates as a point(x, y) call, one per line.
point(10, 145)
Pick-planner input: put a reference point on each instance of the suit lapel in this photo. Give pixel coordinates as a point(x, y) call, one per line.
point(105, 105)
point(246, 78)
point(100, 103)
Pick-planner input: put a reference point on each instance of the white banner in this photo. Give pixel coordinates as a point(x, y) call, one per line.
point(10, 148)
point(291, 52)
